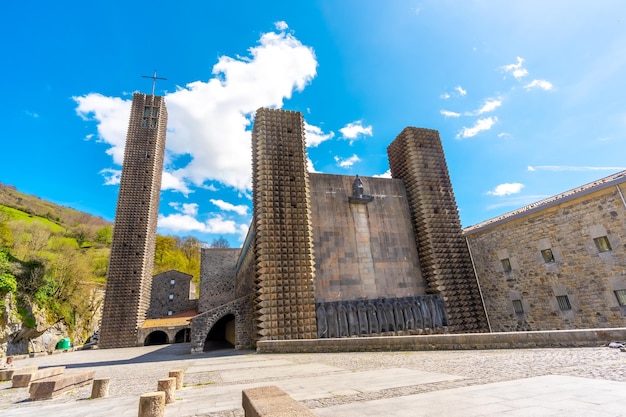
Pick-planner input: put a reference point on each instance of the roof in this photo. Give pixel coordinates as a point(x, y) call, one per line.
point(179, 319)
point(601, 184)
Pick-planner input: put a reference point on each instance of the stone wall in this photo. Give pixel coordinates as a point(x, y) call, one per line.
point(363, 251)
point(552, 253)
point(217, 269)
point(172, 293)
point(245, 269)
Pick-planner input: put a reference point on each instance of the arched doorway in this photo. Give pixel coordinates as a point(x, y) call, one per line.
point(157, 337)
point(183, 336)
point(221, 335)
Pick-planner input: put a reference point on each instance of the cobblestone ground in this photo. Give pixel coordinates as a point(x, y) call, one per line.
point(135, 377)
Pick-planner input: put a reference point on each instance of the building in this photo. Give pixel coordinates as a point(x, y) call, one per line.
point(338, 256)
point(557, 264)
point(129, 276)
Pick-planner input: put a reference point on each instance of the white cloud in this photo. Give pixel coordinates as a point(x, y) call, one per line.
point(562, 168)
point(386, 174)
point(460, 89)
point(208, 121)
point(314, 135)
point(111, 176)
point(240, 209)
point(480, 125)
point(517, 70)
point(447, 113)
point(309, 165)
point(281, 25)
point(354, 130)
point(190, 209)
point(445, 96)
point(505, 135)
point(542, 84)
point(169, 181)
point(178, 223)
point(490, 105)
point(347, 162)
point(32, 114)
point(506, 189)
point(112, 114)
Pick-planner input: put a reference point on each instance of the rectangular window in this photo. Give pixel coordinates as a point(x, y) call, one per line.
point(518, 307)
point(172, 281)
point(171, 296)
point(146, 111)
point(506, 264)
point(621, 297)
point(547, 255)
point(169, 312)
point(603, 244)
point(564, 304)
point(144, 122)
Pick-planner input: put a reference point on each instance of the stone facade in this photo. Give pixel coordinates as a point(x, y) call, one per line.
point(363, 251)
point(172, 293)
point(217, 269)
point(416, 157)
point(555, 248)
point(129, 275)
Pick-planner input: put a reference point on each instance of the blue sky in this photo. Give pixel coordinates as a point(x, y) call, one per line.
point(528, 97)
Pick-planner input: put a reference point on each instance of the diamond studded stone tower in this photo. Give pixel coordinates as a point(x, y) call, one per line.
point(283, 242)
point(129, 276)
point(416, 156)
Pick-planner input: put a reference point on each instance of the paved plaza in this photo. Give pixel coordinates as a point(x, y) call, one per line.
point(525, 382)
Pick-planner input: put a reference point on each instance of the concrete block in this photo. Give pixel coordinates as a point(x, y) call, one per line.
point(22, 380)
point(152, 404)
point(7, 374)
point(55, 385)
point(271, 401)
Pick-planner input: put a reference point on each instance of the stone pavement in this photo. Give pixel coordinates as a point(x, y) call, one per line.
point(530, 382)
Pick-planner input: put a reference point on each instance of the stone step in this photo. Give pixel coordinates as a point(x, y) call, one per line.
point(55, 385)
point(6, 374)
point(22, 380)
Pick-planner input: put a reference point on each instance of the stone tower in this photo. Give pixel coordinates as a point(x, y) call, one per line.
point(129, 276)
point(416, 156)
point(283, 239)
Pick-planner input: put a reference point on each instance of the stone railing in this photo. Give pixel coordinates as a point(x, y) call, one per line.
point(380, 316)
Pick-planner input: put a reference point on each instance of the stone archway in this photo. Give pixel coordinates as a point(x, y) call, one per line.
point(222, 334)
point(158, 337)
point(183, 336)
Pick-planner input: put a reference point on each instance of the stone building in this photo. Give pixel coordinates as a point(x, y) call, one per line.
point(129, 275)
point(338, 256)
point(556, 264)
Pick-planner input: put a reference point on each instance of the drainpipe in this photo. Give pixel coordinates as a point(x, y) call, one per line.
point(469, 248)
point(619, 191)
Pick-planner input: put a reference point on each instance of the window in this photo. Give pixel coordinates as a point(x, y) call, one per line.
point(171, 297)
point(548, 256)
point(169, 312)
point(564, 304)
point(172, 281)
point(506, 264)
point(518, 307)
point(621, 297)
point(603, 244)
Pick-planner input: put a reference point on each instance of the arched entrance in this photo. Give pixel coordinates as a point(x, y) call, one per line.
point(221, 335)
point(157, 337)
point(183, 336)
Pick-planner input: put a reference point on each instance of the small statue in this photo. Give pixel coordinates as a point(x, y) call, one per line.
point(357, 188)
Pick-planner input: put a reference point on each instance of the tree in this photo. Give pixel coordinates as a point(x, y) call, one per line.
point(220, 243)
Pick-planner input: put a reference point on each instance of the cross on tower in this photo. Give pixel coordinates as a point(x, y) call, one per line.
point(154, 78)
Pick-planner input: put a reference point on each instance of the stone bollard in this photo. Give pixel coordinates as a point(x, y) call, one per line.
point(100, 388)
point(152, 404)
point(168, 386)
point(178, 374)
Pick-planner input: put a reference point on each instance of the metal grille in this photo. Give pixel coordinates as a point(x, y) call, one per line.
point(621, 297)
point(518, 307)
point(564, 302)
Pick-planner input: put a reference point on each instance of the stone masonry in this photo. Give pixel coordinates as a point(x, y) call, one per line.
point(129, 276)
point(528, 258)
point(416, 156)
point(283, 242)
point(172, 293)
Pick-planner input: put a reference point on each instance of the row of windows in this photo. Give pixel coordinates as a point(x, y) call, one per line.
point(565, 305)
point(602, 244)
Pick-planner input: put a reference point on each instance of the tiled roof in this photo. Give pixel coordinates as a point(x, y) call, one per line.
point(180, 319)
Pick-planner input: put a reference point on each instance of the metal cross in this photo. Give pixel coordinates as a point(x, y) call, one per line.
point(154, 78)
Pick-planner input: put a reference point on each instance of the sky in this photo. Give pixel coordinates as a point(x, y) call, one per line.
point(528, 97)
